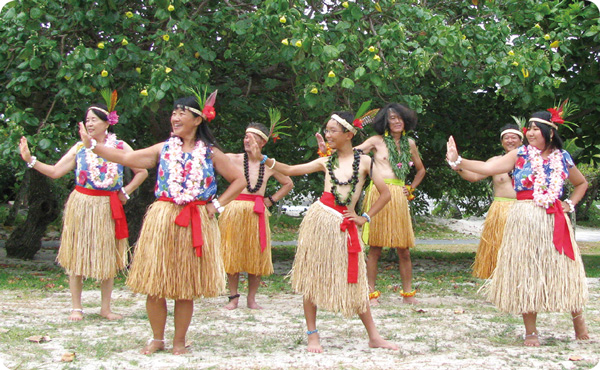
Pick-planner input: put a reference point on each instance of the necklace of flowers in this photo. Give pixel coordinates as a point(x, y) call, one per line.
point(399, 160)
point(177, 171)
point(544, 195)
point(93, 165)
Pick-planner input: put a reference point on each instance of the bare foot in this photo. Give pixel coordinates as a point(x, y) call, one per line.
point(179, 348)
point(152, 346)
point(76, 314)
point(374, 302)
point(581, 332)
point(111, 316)
point(409, 300)
point(314, 343)
point(531, 340)
point(382, 343)
point(253, 305)
point(233, 302)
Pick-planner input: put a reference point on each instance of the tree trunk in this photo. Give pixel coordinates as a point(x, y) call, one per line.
point(16, 207)
point(26, 239)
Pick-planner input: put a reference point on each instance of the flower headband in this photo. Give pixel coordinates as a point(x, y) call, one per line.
point(206, 104)
point(361, 118)
point(111, 100)
point(564, 110)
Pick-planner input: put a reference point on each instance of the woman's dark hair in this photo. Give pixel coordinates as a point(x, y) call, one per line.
point(260, 127)
point(552, 141)
point(203, 133)
point(409, 116)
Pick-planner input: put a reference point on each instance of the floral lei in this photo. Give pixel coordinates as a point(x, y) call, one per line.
point(178, 171)
point(399, 160)
point(544, 195)
point(111, 168)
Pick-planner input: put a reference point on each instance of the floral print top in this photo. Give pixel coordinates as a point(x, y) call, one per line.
point(161, 189)
point(82, 174)
point(523, 178)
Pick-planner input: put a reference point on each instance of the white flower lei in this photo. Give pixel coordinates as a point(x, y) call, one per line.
point(544, 195)
point(91, 159)
point(176, 169)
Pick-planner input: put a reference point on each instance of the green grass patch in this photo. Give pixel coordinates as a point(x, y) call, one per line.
point(284, 227)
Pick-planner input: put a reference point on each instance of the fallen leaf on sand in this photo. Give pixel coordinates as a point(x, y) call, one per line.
point(420, 310)
point(39, 338)
point(575, 358)
point(459, 311)
point(68, 357)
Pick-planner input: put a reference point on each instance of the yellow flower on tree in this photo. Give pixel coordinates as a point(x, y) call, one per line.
point(180, 45)
point(168, 70)
point(345, 4)
point(537, 25)
point(144, 92)
point(554, 44)
point(171, 8)
point(298, 43)
point(546, 37)
point(104, 73)
point(282, 19)
point(100, 45)
point(196, 55)
point(67, 77)
point(372, 49)
point(285, 42)
point(166, 37)
point(331, 74)
point(124, 42)
point(516, 64)
point(138, 70)
point(129, 14)
point(377, 57)
point(525, 72)
point(511, 53)
point(314, 90)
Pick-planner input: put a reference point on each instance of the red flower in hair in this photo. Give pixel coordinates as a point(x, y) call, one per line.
point(275, 138)
point(209, 112)
point(556, 115)
point(524, 130)
point(357, 123)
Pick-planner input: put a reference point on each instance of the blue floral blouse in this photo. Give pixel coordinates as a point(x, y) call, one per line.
point(82, 174)
point(523, 178)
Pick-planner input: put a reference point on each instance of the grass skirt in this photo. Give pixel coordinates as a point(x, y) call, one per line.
point(320, 270)
point(88, 246)
point(165, 264)
point(392, 226)
point(240, 240)
point(491, 238)
point(531, 275)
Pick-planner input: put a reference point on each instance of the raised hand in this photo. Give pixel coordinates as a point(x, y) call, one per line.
point(85, 137)
point(451, 151)
point(321, 143)
point(24, 149)
point(254, 149)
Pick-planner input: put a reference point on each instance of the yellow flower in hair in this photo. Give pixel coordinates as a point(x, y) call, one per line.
point(168, 70)
point(282, 19)
point(129, 14)
point(377, 57)
point(554, 44)
point(171, 8)
point(546, 37)
point(144, 92)
point(285, 42)
point(104, 73)
point(124, 42)
point(511, 53)
point(314, 90)
point(100, 45)
point(166, 37)
point(331, 74)
point(298, 43)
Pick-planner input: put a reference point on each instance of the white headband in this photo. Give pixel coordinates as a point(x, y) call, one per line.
point(344, 123)
point(100, 109)
point(511, 131)
point(257, 132)
point(534, 119)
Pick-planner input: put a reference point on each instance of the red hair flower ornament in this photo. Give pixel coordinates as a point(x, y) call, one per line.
point(358, 123)
point(556, 115)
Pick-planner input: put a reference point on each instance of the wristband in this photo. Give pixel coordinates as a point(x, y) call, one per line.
point(217, 205)
point(273, 165)
point(125, 193)
point(264, 159)
point(271, 199)
point(456, 163)
point(33, 161)
point(365, 215)
point(94, 143)
point(571, 206)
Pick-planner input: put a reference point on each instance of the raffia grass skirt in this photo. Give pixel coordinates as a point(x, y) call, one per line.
point(88, 246)
point(531, 275)
point(392, 226)
point(240, 240)
point(491, 238)
point(320, 270)
point(165, 264)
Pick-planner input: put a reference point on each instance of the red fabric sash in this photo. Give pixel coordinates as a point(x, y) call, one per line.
point(190, 214)
point(562, 236)
point(259, 208)
point(353, 241)
point(116, 207)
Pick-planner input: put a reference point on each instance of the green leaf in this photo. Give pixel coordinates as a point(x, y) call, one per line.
point(347, 83)
point(35, 13)
point(44, 144)
point(331, 52)
point(504, 80)
point(359, 72)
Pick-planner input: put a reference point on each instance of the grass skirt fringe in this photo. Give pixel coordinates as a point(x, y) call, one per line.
point(392, 226)
point(491, 239)
point(320, 270)
point(165, 264)
point(240, 240)
point(531, 275)
point(88, 246)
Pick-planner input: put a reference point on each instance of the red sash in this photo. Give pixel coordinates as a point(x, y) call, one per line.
point(116, 207)
point(190, 214)
point(353, 241)
point(562, 236)
point(259, 208)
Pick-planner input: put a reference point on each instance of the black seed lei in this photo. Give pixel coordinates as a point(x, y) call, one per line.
point(261, 175)
point(352, 181)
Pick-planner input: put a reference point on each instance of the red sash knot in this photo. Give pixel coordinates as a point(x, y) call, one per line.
point(349, 226)
point(561, 237)
point(116, 208)
point(190, 214)
point(259, 209)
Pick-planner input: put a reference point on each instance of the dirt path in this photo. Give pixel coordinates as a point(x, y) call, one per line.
point(453, 330)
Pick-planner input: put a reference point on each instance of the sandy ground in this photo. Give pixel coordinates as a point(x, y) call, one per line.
point(453, 329)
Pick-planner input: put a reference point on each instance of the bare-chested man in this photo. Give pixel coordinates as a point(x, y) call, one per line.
point(244, 225)
point(504, 196)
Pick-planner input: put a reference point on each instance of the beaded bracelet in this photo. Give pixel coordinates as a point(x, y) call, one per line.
point(264, 159)
point(217, 205)
point(456, 163)
point(571, 206)
point(33, 161)
point(125, 193)
point(273, 202)
point(366, 215)
point(94, 143)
